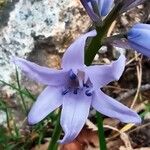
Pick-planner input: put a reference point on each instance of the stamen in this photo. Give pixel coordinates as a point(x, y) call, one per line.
point(72, 75)
point(65, 91)
point(85, 85)
point(76, 91)
point(88, 93)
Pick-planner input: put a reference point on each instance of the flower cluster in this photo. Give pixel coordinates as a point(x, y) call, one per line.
point(76, 87)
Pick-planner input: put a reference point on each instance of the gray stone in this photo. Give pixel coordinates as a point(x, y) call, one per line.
point(33, 23)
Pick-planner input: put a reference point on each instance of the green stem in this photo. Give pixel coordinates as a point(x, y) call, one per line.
point(55, 136)
point(101, 134)
point(96, 42)
point(90, 52)
point(92, 49)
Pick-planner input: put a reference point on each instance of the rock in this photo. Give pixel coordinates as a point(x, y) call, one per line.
point(44, 27)
point(6, 6)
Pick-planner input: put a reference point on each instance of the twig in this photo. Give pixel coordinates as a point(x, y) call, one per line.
point(91, 125)
point(139, 77)
point(111, 28)
point(131, 60)
point(116, 88)
point(133, 91)
point(112, 128)
point(125, 138)
point(139, 127)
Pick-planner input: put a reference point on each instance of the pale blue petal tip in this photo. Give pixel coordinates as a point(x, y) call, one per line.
point(139, 37)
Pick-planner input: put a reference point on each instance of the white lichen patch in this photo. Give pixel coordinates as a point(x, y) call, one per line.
point(33, 17)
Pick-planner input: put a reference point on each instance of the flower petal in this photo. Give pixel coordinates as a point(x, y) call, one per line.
point(74, 55)
point(141, 26)
point(47, 101)
point(89, 10)
point(138, 38)
point(105, 6)
point(41, 74)
point(101, 75)
point(74, 113)
point(143, 50)
point(110, 107)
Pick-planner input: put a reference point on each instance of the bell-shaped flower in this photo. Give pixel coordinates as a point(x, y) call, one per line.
point(139, 38)
point(101, 8)
point(76, 87)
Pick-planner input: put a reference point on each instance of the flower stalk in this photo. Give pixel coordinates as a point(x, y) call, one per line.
point(101, 134)
point(92, 49)
point(96, 42)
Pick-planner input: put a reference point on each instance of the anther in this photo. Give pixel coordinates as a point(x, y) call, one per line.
point(88, 93)
point(85, 85)
point(72, 75)
point(76, 91)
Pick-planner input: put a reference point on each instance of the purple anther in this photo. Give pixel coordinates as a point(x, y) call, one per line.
point(85, 85)
point(76, 91)
point(88, 93)
point(72, 75)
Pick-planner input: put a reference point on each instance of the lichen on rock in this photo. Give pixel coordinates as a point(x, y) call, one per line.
point(31, 19)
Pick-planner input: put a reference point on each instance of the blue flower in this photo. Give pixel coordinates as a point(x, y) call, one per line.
point(76, 87)
point(139, 38)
